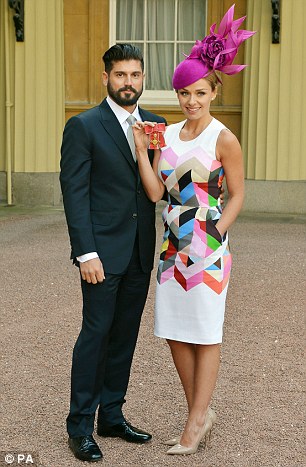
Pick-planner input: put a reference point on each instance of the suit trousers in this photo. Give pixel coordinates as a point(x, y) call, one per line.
point(103, 352)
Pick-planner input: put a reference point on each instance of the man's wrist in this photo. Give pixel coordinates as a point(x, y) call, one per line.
point(87, 257)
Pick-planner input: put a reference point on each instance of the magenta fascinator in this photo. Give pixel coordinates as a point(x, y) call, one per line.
point(216, 52)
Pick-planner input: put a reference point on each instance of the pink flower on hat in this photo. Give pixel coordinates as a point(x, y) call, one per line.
point(216, 52)
point(208, 49)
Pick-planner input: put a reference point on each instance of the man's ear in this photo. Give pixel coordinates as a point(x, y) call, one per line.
point(104, 78)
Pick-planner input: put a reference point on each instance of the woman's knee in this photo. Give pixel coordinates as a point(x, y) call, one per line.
point(177, 345)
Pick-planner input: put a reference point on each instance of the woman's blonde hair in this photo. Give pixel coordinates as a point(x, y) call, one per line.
point(213, 80)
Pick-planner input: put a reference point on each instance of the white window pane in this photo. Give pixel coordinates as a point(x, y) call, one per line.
point(139, 46)
point(181, 50)
point(160, 19)
point(159, 66)
point(177, 22)
point(191, 22)
point(129, 20)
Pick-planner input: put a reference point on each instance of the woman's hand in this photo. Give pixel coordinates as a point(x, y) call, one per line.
point(140, 137)
point(221, 195)
point(151, 183)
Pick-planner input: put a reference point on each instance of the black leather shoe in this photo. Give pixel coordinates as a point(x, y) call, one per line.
point(125, 431)
point(85, 448)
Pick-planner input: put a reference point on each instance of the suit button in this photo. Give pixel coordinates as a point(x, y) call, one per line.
point(138, 192)
point(134, 215)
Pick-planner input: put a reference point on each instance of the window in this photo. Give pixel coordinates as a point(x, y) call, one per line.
point(163, 30)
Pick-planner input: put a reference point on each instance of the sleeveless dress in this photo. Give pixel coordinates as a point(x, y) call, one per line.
point(195, 262)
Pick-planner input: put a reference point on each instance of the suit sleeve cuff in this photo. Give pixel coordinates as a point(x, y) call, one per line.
point(87, 257)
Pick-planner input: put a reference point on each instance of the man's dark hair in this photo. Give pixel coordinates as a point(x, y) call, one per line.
point(120, 52)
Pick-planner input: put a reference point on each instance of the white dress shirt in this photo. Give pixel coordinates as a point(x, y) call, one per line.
point(122, 116)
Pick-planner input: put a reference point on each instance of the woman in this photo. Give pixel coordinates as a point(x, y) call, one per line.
point(195, 260)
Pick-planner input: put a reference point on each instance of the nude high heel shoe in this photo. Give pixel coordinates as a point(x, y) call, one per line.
point(179, 449)
point(210, 415)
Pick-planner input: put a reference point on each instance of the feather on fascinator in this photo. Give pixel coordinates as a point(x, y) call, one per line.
point(216, 52)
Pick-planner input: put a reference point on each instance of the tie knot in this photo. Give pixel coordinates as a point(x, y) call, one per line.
point(131, 120)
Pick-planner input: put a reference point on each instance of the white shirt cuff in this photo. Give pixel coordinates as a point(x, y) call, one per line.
point(87, 257)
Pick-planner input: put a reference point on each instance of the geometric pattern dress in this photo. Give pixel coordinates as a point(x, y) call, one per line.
point(195, 262)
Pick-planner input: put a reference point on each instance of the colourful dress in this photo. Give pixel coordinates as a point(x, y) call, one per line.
point(195, 262)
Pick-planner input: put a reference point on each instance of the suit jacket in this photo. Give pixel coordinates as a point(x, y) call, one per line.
point(105, 203)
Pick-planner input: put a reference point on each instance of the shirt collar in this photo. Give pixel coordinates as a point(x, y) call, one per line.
point(120, 112)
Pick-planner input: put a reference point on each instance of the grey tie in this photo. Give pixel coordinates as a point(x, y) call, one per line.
point(130, 137)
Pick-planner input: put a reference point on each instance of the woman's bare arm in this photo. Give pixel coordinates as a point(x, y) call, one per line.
point(151, 183)
point(230, 155)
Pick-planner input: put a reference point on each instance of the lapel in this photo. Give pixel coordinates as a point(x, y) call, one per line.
point(109, 121)
point(144, 114)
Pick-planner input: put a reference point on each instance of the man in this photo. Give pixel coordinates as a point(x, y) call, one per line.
point(111, 225)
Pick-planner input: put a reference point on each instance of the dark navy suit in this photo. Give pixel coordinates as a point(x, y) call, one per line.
point(108, 212)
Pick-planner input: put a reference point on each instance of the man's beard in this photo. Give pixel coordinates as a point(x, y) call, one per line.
point(124, 101)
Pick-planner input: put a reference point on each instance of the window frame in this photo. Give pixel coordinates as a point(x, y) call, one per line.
point(150, 97)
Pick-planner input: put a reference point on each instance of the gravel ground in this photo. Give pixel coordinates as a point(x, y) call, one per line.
point(259, 396)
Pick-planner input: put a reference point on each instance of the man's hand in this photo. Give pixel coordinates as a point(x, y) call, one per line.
point(92, 271)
